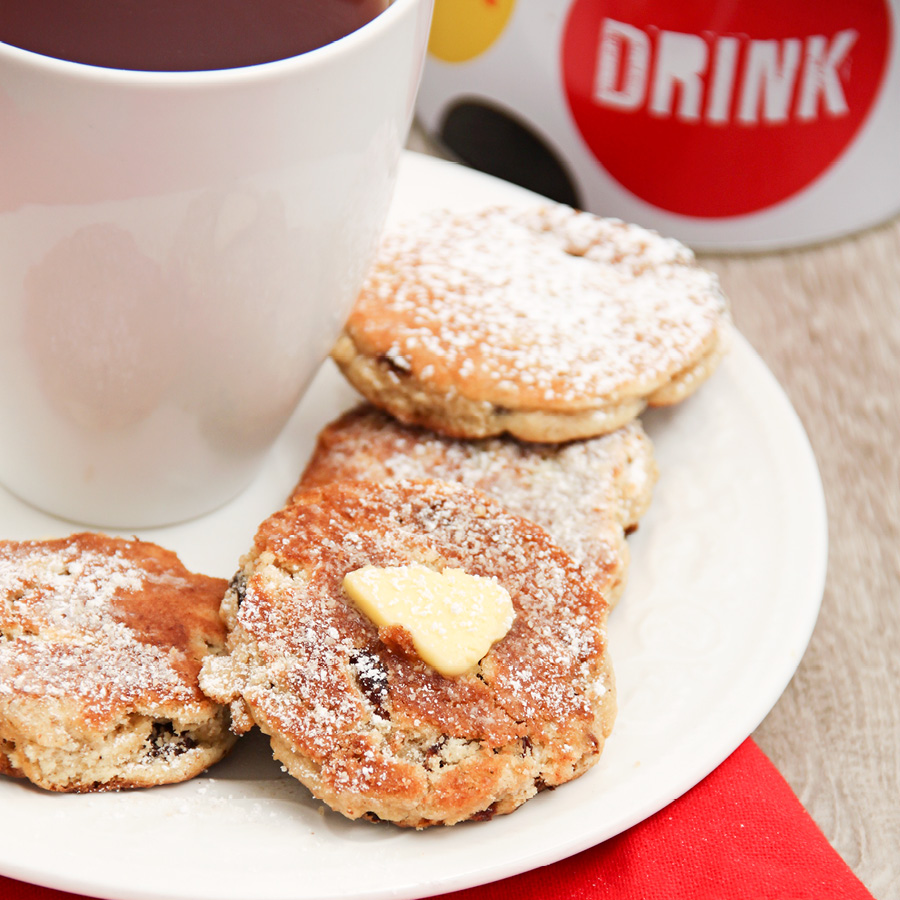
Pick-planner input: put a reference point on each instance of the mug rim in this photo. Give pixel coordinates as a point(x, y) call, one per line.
point(276, 68)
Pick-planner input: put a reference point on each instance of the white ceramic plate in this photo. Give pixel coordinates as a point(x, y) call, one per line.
point(726, 579)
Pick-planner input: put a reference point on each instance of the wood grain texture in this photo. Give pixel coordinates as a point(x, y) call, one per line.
point(826, 320)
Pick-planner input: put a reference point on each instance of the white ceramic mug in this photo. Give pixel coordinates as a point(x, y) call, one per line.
point(177, 253)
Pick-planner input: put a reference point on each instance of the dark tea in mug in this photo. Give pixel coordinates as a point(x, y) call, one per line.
point(179, 35)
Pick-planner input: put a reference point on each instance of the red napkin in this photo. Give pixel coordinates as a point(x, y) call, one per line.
point(740, 833)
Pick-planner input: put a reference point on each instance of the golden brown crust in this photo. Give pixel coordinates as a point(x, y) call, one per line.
point(451, 413)
point(103, 642)
point(369, 727)
point(544, 323)
point(587, 494)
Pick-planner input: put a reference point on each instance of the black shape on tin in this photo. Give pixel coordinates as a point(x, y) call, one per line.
point(495, 142)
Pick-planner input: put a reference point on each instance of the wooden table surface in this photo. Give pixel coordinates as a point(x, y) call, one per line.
point(826, 320)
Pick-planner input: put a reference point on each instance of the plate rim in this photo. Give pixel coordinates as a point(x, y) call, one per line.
point(419, 167)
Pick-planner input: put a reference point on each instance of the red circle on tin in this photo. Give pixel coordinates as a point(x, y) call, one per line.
point(717, 109)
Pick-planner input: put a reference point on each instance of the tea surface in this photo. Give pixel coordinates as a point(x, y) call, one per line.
point(179, 35)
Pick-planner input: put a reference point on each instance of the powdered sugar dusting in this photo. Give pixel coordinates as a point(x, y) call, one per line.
point(324, 667)
point(584, 493)
point(543, 308)
point(62, 588)
point(64, 635)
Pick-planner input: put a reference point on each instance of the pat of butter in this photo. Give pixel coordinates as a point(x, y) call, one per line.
point(452, 617)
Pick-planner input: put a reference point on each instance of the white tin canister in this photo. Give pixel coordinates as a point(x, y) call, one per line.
point(729, 125)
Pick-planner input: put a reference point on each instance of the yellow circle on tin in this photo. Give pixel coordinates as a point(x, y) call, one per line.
point(462, 29)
